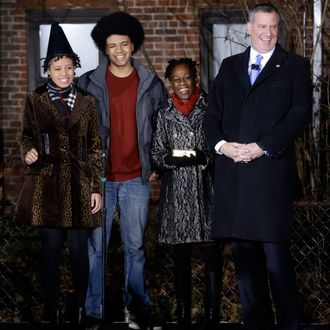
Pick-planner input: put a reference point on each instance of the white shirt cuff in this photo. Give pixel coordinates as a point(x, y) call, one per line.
point(219, 145)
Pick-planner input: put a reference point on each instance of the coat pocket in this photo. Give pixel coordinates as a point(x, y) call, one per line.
point(40, 170)
point(23, 208)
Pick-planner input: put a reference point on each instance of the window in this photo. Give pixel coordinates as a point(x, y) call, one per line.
point(79, 39)
point(77, 26)
point(222, 35)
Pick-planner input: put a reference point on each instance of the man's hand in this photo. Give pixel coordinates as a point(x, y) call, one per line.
point(236, 151)
point(96, 202)
point(241, 153)
point(31, 156)
point(254, 150)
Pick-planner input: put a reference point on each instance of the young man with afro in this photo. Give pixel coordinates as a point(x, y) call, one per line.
point(127, 97)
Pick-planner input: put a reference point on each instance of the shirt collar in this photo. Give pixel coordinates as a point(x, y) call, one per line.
point(265, 57)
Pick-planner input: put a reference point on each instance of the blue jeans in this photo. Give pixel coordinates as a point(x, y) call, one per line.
point(131, 198)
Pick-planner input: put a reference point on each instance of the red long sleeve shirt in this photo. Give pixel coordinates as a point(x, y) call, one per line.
point(123, 155)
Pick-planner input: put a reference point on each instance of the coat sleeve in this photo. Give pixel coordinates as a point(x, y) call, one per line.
point(29, 137)
point(299, 114)
point(83, 81)
point(202, 143)
point(94, 149)
point(159, 95)
point(209, 155)
point(160, 146)
point(214, 112)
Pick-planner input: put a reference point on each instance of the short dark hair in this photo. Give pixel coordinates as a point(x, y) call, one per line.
point(120, 23)
point(262, 7)
point(183, 60)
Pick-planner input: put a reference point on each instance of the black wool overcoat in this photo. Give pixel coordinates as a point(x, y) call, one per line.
point(254, 201)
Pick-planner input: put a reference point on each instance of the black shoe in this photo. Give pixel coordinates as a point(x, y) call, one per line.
point(92, 323)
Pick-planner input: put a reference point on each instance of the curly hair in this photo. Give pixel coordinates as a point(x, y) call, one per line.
point(120, 23)
point(74, 57)
point(183, 60)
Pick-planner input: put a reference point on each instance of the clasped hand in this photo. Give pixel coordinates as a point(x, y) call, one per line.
point(241, 153)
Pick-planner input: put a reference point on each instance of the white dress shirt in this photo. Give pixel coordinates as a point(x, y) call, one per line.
point(253, 58)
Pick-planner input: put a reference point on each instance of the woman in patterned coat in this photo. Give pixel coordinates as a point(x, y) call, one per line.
point(61, 194)
point(180, 152)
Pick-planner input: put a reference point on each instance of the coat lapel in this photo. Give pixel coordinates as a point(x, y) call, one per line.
point(241, 67)
point(78, 110)
point(49, 109)
point(273, 65)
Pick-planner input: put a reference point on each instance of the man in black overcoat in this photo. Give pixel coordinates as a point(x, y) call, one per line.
point(261, 102)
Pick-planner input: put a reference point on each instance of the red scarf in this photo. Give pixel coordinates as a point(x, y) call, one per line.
point(186, 107)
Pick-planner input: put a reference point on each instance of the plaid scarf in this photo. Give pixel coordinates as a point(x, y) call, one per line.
point(63, 98)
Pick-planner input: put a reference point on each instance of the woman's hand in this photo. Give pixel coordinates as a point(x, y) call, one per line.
point(153, 176)
point(96, 202)
point(31, 157)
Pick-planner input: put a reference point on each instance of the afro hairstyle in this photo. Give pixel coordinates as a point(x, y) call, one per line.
point(120, 23)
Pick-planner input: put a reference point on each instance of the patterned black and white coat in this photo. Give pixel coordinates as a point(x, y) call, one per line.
point(186, 196)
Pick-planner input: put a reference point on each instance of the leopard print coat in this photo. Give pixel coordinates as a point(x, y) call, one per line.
point(57, 188)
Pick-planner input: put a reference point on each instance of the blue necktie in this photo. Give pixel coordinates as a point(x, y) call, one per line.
point(255, 69)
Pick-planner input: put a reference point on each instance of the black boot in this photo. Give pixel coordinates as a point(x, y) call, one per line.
point(81, 318)
point(212, 309)
point(182, 282)
point(183, 316)
point(53, 316)
point(78, 319)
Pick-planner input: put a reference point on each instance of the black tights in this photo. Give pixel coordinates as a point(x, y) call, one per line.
point(210, 254)
point(52, 243)
point(212, 257)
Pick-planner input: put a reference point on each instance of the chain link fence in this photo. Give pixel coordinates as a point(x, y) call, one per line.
point(20, 286)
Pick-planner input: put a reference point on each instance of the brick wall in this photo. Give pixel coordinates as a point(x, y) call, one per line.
point(172, 30)
point(13, 72)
